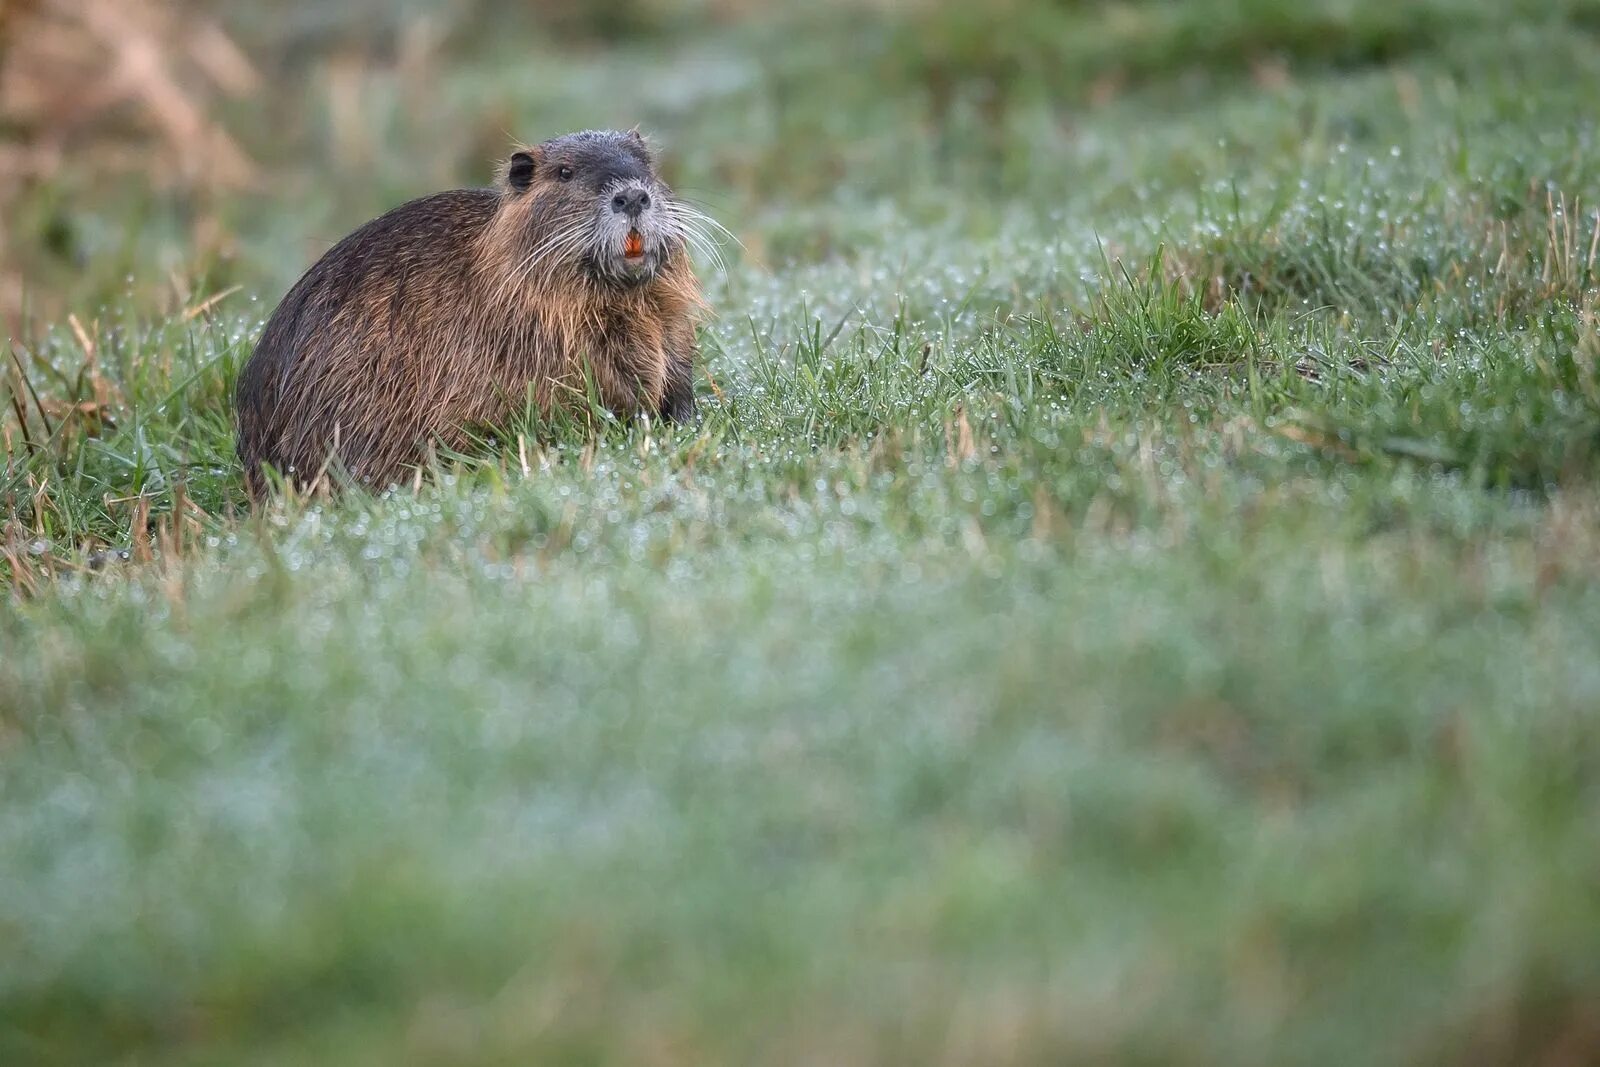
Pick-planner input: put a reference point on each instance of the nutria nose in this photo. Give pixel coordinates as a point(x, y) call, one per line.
point(630, 202)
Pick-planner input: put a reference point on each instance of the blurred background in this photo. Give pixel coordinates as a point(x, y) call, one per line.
point(175, 146)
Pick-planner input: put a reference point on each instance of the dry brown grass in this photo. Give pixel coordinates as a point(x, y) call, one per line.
point(130, 84)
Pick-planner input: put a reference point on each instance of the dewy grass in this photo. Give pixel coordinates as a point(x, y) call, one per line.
point(1132, 599)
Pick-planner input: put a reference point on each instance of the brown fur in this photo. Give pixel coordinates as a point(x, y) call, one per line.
point(429, 320)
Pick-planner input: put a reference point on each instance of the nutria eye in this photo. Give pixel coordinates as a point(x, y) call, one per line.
point(565, 174)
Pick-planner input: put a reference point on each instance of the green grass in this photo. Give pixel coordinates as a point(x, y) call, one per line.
point(1132, 595)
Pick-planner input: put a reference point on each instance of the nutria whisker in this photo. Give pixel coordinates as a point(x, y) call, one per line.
point(700, 243)
point(694, 227)
point(520, 275)
point(692, 232)
point(529, 264)
point(550, 250)
point(679, 210)
point(690, 226)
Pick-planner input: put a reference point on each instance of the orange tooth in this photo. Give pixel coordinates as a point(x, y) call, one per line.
point(634, 245)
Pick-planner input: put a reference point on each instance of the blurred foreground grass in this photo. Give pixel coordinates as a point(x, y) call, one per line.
point(1133, 595)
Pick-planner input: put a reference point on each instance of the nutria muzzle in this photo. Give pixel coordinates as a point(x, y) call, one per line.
point(633, 232)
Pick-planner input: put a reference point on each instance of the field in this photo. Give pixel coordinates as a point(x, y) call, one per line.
point(1132, 596)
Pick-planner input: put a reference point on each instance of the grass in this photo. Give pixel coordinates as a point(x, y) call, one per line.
point(1131, 597)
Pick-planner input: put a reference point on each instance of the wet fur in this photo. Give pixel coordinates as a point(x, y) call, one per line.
point(440, 316)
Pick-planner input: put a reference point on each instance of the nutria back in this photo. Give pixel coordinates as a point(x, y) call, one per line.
point(458, 309)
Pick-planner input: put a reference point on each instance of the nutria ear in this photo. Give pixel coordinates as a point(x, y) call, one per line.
point(519, 173)
point(635, 138)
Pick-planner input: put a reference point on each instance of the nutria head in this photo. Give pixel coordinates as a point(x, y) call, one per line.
point(590, 204)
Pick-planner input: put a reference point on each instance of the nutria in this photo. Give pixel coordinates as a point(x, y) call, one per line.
point(570, 278)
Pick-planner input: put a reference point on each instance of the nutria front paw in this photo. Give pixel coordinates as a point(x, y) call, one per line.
point(679, 407)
